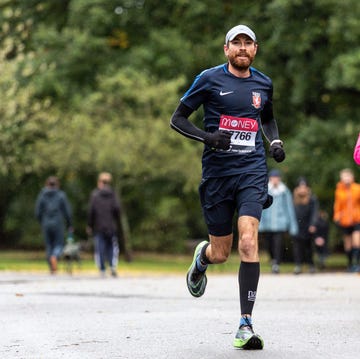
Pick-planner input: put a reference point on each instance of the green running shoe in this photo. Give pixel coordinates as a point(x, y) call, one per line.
point(196, 280)
point(245, 338)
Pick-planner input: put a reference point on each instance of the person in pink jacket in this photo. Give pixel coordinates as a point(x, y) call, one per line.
point(357, 151)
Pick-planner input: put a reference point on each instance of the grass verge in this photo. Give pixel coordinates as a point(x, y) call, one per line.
point(34, 261)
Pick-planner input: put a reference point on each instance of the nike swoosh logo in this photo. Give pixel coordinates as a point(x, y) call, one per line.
point(226, 93)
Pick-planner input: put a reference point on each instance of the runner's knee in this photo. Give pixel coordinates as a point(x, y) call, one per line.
point(219, 257)
point(248, 244)
point(220, 248)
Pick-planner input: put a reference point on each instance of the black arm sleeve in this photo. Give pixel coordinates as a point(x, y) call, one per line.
point(269, 124)
point(179, 122)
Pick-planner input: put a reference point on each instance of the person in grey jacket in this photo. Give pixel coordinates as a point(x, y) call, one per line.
point(52, 210)
point(278, 219)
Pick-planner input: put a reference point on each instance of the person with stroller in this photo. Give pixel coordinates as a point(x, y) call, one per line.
point(52, 210)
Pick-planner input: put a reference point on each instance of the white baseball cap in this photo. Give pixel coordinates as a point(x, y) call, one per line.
point(239, 29)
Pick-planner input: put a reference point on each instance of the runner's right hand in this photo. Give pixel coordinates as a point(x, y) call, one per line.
point(218, 139)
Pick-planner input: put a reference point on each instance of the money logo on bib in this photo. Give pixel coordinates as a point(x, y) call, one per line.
point(243, 131)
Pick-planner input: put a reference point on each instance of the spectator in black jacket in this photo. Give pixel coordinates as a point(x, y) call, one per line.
point(103, 221)
point(306, 210)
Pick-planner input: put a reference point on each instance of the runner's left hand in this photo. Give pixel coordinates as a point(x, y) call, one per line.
point(277, 152)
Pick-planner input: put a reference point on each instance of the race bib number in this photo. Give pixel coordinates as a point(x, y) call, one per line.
point(243, 131)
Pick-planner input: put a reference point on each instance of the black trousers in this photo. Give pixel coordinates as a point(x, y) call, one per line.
point(274, 242)
point(303, 250)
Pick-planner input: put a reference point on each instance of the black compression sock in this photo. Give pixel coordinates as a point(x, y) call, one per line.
point(349, 257)
point(249, 274)
point(356, 255)
point(203, 258)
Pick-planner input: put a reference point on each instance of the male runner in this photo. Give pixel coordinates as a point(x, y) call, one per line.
point(237, 102)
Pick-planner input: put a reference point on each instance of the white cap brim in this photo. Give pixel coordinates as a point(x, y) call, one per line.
point(239, 29)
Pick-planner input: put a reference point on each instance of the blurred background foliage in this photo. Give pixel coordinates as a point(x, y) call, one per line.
point(90, 85)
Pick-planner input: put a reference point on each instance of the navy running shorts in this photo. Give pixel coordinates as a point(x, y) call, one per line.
point(221, 196)
point(351, 229)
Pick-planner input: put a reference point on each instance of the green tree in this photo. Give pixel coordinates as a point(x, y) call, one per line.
point(90, 85)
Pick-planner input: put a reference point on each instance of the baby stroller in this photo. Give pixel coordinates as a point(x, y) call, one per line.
point(71, 254)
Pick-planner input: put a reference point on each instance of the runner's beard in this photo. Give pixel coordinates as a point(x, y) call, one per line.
point(241, 65)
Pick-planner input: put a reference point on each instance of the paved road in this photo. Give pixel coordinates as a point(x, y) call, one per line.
point(306, 316)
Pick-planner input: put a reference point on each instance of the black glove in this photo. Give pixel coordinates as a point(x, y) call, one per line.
point(268, 202)
point(277, 151)
point(218, 139)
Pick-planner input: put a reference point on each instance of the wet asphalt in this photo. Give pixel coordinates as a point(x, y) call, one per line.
point(153, 316)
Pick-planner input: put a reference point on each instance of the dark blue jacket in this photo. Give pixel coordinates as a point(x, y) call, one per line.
point(52, 209)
